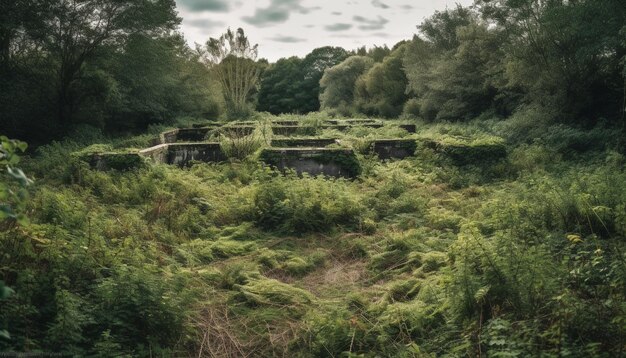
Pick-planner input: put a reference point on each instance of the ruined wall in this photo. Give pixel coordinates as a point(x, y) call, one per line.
point(314, 161)
point(303, 142)
point(182, 154)
point(393, 148)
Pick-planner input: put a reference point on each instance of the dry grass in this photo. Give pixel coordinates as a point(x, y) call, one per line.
point(337, 278)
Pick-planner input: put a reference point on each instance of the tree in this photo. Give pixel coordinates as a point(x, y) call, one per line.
point(232, 59)
point(381, 91)
point(337, 83)
point(292, 85)
point(76, 29)
point(440, 29)
point(156, 79)
point(459, 83)
point(51, 52)
point(313, 67)
point(279, 84)
point(565, 55)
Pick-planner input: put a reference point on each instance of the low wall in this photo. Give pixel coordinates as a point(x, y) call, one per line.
point(394, 148)
point(107, 161)
point(238, 131)
point(285, 123)
point(361, 121)
point(185, 135)
point(169, 136)
point(411, 128)
point(303, 142)
point(318, 161)
point(157, 154)
point(182, 154)
point(466, 154)
point(192, 134)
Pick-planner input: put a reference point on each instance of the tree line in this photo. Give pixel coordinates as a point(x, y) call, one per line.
point(124, 65)
point(116, 65)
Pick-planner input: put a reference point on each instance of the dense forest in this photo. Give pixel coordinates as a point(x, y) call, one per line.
point(502, 233)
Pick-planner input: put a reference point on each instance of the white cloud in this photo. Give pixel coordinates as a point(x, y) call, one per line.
point(304, 25)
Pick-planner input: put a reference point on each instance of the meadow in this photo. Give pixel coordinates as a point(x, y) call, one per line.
point(419, 257)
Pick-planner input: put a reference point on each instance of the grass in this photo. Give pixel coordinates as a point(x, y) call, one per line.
point(416, 257)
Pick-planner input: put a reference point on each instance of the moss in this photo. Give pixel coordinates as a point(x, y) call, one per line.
point(466, 151)
point(101, 157)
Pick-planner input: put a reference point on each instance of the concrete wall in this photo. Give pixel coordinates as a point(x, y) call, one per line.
point(285, 123)
point(411, 128)
point(238, 131)
point(157, 154)
point(117, 161)
point(169, 136)
point(185, 135)
point(394, 148)
point(192, 134)
point(182, 154)
point(303, 142)
point(314, 161)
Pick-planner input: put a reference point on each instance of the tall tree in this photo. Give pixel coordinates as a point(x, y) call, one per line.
point(337, 83)
point(564, 54)
point(233, 59)
point(279, 87)
point(381, 91)
point(299, 91)
point(76, 29)
point(313, 67)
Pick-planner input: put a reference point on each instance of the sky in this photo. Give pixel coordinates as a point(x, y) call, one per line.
point(284, 28)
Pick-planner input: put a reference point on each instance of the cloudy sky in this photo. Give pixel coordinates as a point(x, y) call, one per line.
point(284, 28)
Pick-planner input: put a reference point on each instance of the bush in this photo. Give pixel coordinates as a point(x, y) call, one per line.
point(305, 205)
point(274, 293)
point(138, 311)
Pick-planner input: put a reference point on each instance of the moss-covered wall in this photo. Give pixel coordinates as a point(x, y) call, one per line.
point(393, 148)
point(182, 154)
point(303, 142)
point(111, 160)
point(318, 161)
point(470, 153)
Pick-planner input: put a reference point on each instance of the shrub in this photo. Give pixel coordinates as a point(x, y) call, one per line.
point(274, 293)
point(305, 205)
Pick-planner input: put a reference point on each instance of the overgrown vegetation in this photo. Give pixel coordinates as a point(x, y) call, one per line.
point(415, 257)
point(504, 235)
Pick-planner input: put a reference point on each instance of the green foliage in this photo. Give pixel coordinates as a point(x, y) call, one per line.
point(381, 91)
point(274, 293)
point(279, 87)
point(310, 204)
point(128, 70)
point(241, 142)
point(135, 306)
point(14, 181)
point(292, 85)
point(338, 83)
